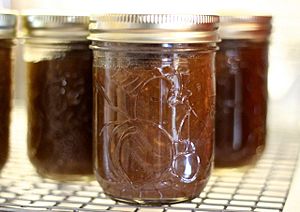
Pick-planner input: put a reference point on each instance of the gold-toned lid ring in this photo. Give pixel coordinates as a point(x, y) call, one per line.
point(154, 28)
point(55, 26)
point(8, 24)
point(245, 27)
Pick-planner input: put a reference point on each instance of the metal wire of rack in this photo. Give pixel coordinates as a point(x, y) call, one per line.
point(263, 187)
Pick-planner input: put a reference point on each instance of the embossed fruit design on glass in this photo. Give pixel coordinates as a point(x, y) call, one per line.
point(7, 34)
point(59, 96)
point(241, 103)
point(154, 99)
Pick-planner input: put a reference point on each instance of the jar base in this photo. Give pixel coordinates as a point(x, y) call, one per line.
point(245, 164)
point(66, 177)
point(151, 202)
point(239, 161)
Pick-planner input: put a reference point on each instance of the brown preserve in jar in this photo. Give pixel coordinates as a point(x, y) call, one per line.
point(153, 109)
point(241, 103)
point(5, 99)
point(7, 33)
point(59, 84)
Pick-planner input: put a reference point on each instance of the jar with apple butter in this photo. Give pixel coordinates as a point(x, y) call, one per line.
point(59, 95)
point(241, 88)
point(154, 105)
point(7, 35)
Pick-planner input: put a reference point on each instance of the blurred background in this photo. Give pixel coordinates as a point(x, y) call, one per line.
point(284, 53)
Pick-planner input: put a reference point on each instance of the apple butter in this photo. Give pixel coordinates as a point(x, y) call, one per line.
point(241, 88)
point(59, 93)
point(7, 34)
point(5, 98)
point(154, 106)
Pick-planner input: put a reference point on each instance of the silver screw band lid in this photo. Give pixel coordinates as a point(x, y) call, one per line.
point(65, 27)
point(245, 27)
point(154, 28)
point(8, 24)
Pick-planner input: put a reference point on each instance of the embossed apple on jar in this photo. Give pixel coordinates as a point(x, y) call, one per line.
point(153, 110)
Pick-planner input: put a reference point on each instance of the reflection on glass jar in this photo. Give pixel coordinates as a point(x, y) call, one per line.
point(59, 84)
point(241, 104)
point(7, 33)
point(153, 111)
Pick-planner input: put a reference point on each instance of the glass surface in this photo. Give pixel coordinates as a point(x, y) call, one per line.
point(59, 84)
point(241, 103)
point(5, 97)
point(153, 120)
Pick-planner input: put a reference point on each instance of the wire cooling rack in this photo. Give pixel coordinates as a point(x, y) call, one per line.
point(264, 187)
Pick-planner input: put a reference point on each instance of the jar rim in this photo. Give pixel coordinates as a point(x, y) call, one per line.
point(154, 28)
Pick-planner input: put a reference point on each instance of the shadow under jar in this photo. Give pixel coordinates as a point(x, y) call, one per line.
point(59, 96)
point(241, 102)
point(154, 99)
point(7, 34)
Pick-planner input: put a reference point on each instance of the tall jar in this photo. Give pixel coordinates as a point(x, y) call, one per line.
point(59, 95)
point(241, 103)
point(154, 98)
point(7, 34)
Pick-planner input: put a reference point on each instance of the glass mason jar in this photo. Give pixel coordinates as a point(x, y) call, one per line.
point(154, 105)
point(241, 76)
point(59, 95)
point(7, 34)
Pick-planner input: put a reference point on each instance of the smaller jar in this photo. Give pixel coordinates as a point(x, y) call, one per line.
point(59, 95)
point(7, 35)
point(154, 104)
point(241, 76)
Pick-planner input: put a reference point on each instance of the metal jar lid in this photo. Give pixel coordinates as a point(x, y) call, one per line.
point(245, 27)
point(154, 28)
point(8, 24)
point(62, 27)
